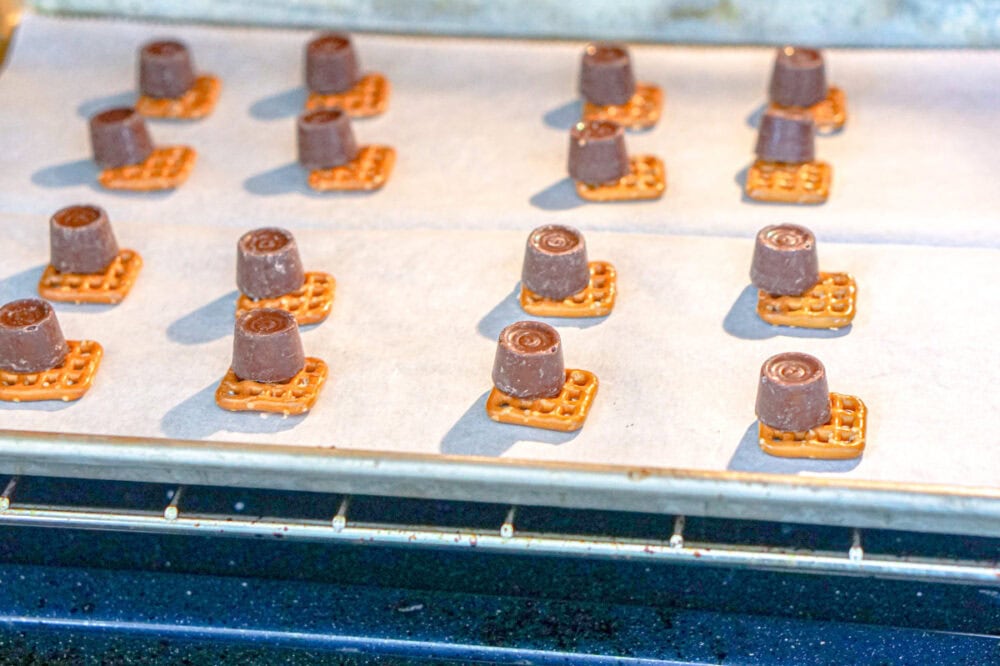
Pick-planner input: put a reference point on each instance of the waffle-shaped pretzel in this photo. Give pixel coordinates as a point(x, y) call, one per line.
point(807, 183)
point(829, 304)
point(369, 97)
point(109, 287)
point(596, 300)
point(196, 103)
point(830, 113)
point(67, 382)
point(165, 169)
point(566, 411)
point(296, 396)
point(368, 171)
point(646, 179)
point(843, 436)
point(640, 112)
point(310, 304)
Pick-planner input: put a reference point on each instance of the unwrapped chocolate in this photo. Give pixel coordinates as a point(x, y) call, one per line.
point(555, 262)
point(325, 139)
point(786, 135)
point(798, 78)
point(792, 394)
point(529, 361)
point(166, 69)
point(119, 138)
point(268, 263)
point(331, 64)
point(31, 339)
point(597, 152)
point(267, 347)
point(785, 261)
point(606, 74)
point(81, 240)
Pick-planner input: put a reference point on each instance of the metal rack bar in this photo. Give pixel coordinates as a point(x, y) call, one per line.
point(503, 539)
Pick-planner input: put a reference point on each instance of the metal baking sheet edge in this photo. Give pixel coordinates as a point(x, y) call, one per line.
point(838, 502)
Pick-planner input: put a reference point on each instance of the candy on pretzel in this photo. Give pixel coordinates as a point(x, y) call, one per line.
point(602, 169)
point(609, 89)
point(36, 361)
point(334, 79)
point(558, 281)
point(124, 152)
point(799, 81)
point(531, 385)
point(786, 170)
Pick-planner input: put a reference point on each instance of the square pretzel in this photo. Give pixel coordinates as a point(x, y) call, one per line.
point(309, 304)
point(109, 287)
point(296, 396)
point(596, 300)
point(830, 113)
point(828, 304)
point(70, 381)
point(842, 437)
point(369, 97)
point(198, 102)
point(781, 182)
point(165, 169)
point(369, 171)
point(646, 179)
point(565, 412)
point(640, 112)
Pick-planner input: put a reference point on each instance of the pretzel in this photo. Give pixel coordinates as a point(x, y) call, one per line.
point(368, 171)
point(640, 112)
point(369, 97)
point(596, 300)
point(807, 183)
point(646, 179)
point(829, 304)
point(296, 396)
point(830, 113)
point(164, 169)
point(565, 412)
point(196, 103)
point(69, 381)
point(310, 304)
point(843, 436)
point(110, 287)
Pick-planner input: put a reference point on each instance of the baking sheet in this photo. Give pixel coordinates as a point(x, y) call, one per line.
point(481, 132)
point(411, 339)
point(428, 267)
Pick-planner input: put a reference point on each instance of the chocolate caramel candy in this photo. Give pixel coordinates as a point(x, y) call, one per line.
point(81, 240)
point(555, 262)
point(529, 361)
point(119, 137)
point(165, 69)
point(784, 260)
point(268, 263)
point(267, 346)
point(786, 135)
point(606, 74)
point(331, 64)
point(792, 394)
point(30, 337)
point(597, 152)
point(325, 139)
point(798, 78)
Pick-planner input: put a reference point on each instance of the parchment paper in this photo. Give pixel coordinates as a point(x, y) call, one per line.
point(427, 269)
point(481, 131)
point(411, 339)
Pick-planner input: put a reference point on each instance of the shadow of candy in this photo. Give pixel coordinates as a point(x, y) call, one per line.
point(509, 310)
point(475, 434)
point(21, 285)
point(198, 417)
point(210, 322)
point(287, 104)
point(742, 322)
point(560, 195)
point(749, 457)
point(564, 116)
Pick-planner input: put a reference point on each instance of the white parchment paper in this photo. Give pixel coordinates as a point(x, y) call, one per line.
point(427, 268)
point(411, 339)
point(481, 132)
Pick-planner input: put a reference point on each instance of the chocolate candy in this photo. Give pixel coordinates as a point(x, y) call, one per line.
point(30, 337)
point(792, 394)
point(267, 346)
point(529, 361)
point(81, 240)
point(786, 135)
point(165, 69)
point(555, 262)
point(331, 65)
point(597, 152)
point(799, 77)
point(268, 263)
point(606, 74)
point(784, 260)
point(326, 139)
point(119, 137)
